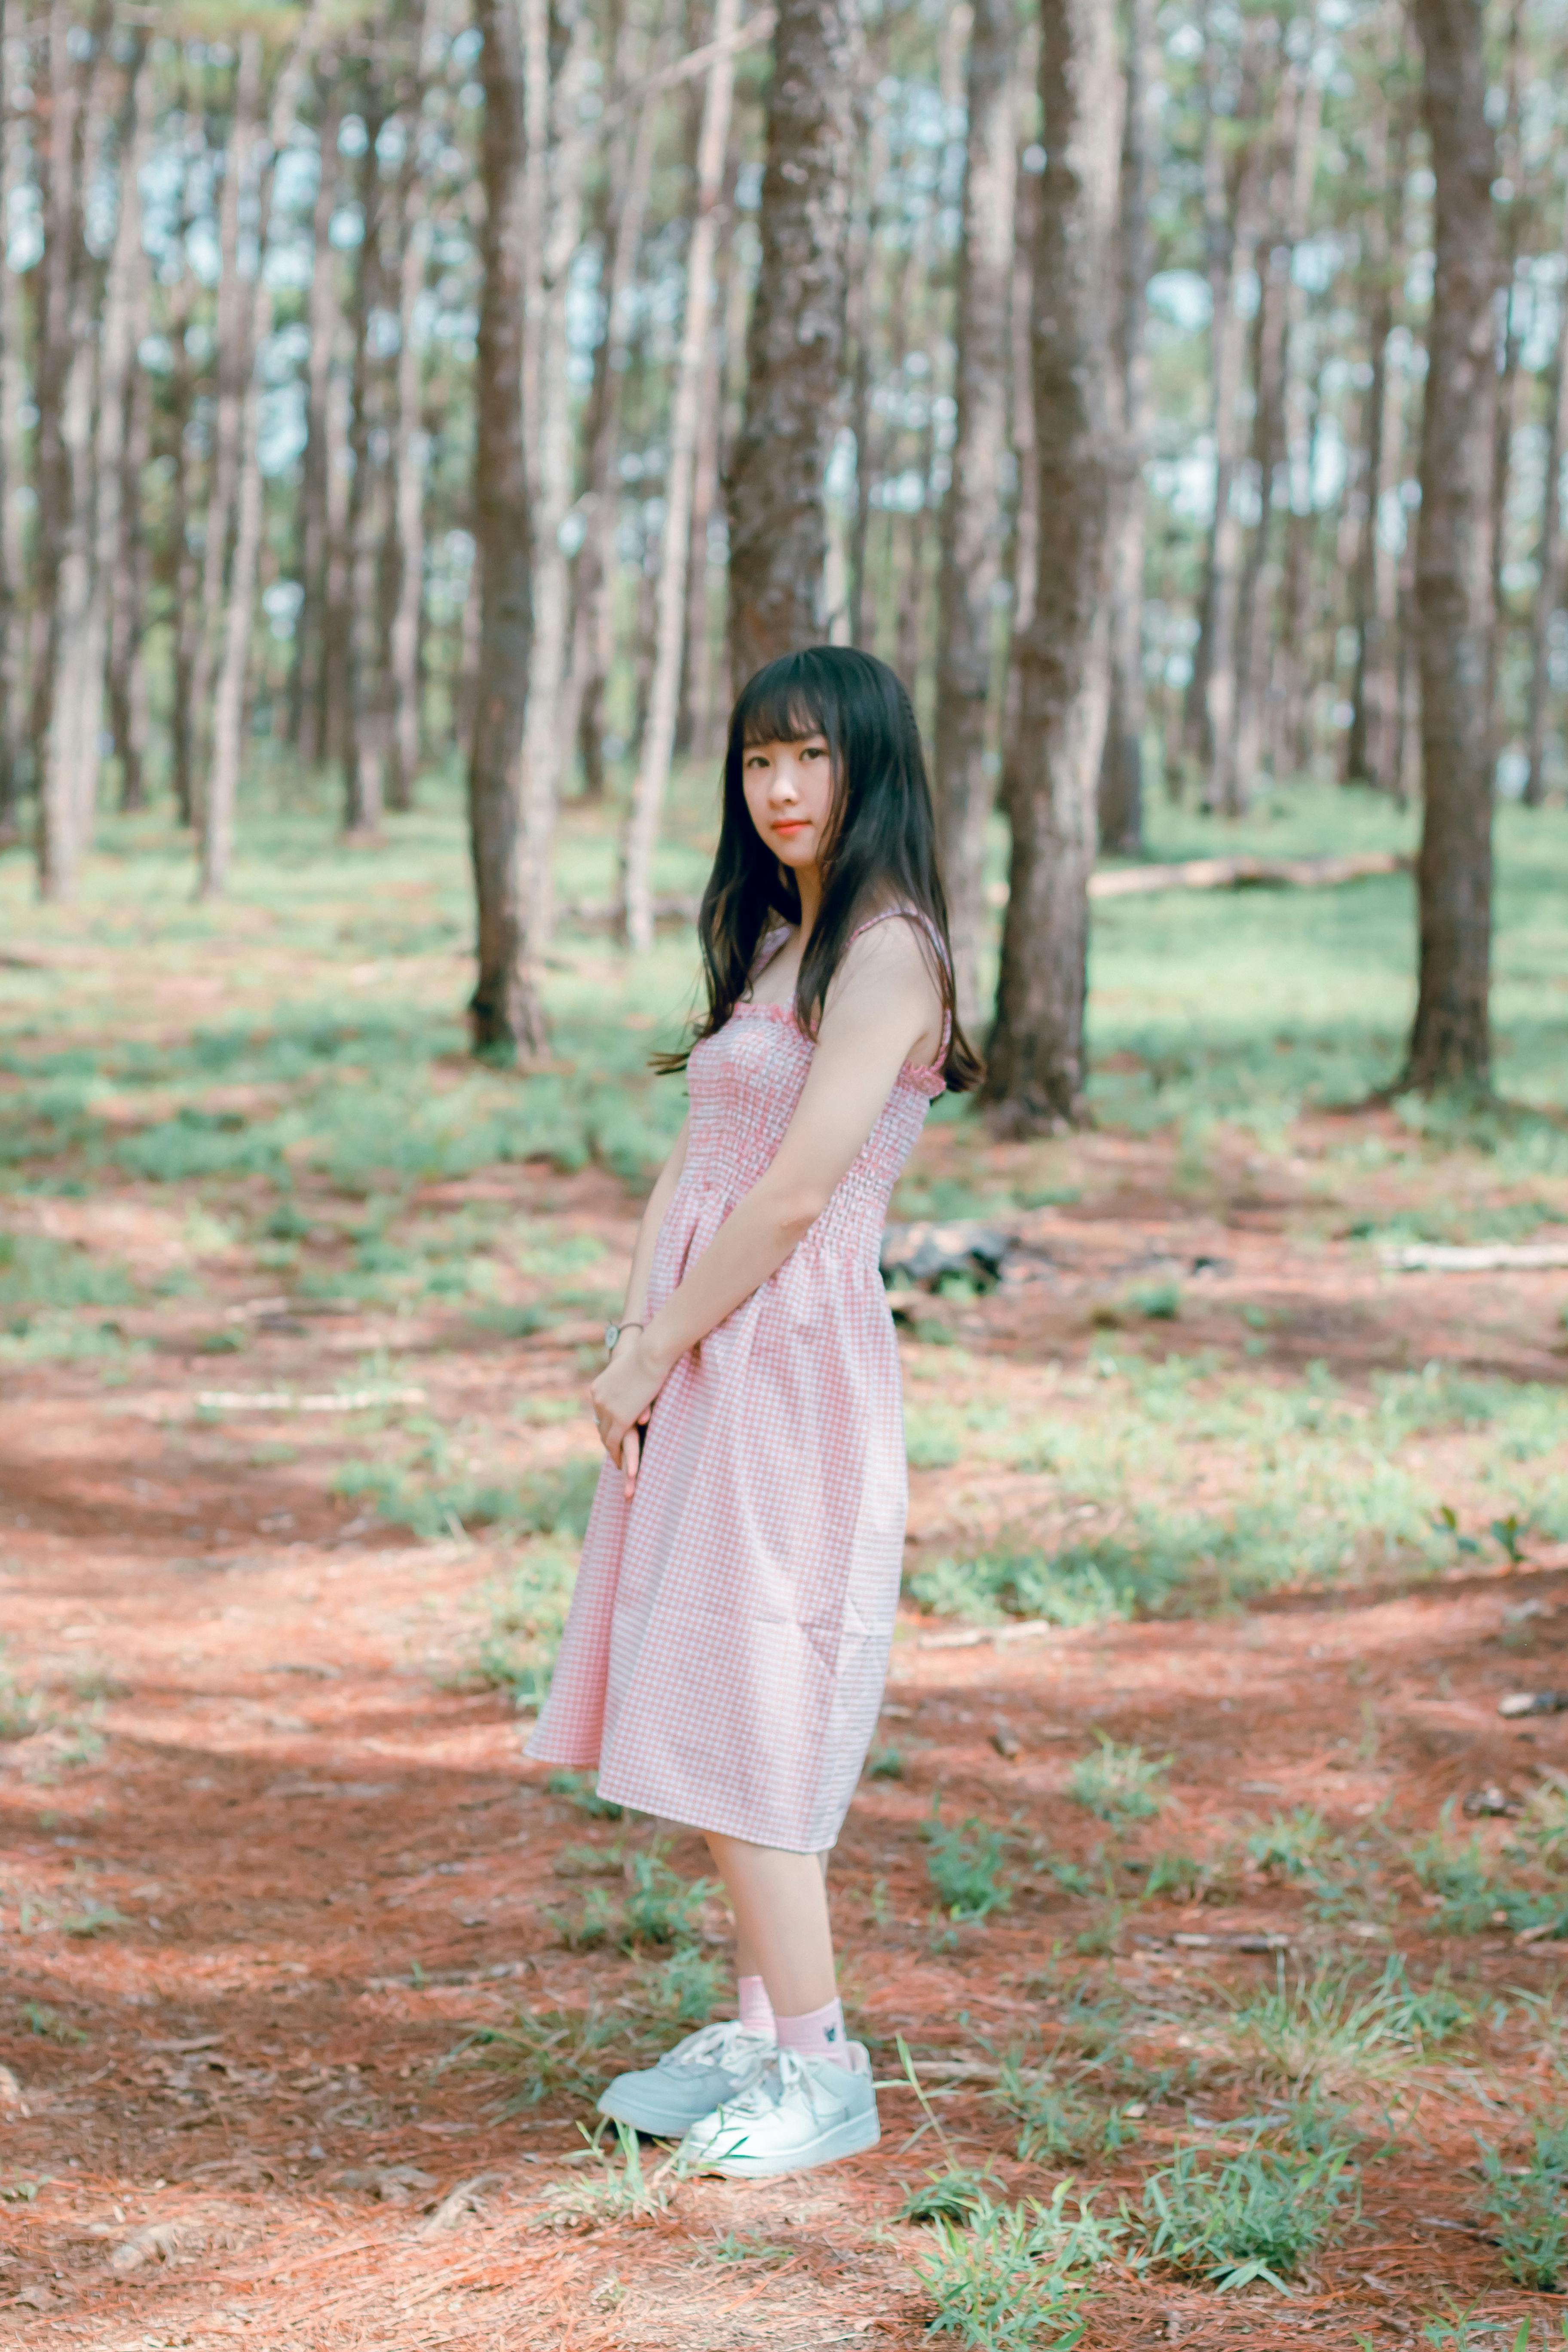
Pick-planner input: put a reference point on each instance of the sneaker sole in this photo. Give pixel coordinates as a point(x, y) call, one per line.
point(647, 2119)
point(852, 2137)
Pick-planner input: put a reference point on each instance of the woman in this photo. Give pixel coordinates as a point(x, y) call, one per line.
point(724, 1658)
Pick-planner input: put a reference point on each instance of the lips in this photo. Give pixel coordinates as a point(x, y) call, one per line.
point(791, 825)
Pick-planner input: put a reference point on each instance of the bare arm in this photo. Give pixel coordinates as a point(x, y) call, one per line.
point(881, 1005)
point(634, 1307)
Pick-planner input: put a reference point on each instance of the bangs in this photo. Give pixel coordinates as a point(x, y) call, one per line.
point(781, 705)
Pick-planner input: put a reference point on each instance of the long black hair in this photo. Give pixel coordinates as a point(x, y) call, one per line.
point(879, 846)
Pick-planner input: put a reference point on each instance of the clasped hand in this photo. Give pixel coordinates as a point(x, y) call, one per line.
point(622, 1398)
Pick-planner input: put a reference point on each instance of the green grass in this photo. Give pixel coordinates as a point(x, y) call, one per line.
point(1011, 2278)
point(1339, 2030)
point(1528, 2207)
point(1118, 1783)
point(1233, 2220)
point(965, 1866)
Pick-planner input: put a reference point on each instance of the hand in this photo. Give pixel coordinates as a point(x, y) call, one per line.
point(622, 1398)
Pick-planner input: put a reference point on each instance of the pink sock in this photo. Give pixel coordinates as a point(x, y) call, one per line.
point(819, 2034)
point(757, 2009)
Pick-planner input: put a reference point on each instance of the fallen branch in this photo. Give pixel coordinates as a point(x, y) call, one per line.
point(973, 1635)
point(1245, 873)
point(282, 1401)
point(1494, 1257)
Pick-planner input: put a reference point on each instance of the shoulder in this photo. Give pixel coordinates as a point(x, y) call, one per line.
point(893, 945)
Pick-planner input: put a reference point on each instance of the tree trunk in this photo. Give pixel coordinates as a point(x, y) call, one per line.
point(641, 835)
point(795, 343)
point(63, 453)
point(695, 727)
point(555, 184)
point(1369, 739)
point(1036, 1076)
point(82, 648)
point(1238, 750)
point(234, 361)
point(593, 617)
point(308, 696)
point(1121, 767)
point(1548, 561)
point(183, 583)
point(1232, 182)
point(221, 797)
point(127, 674)
point(1510, 229)
point(366, 702)
point(972, 516)
point(10, 367)
point(408, 468)
point(1450, 1044)
point(505, 1012)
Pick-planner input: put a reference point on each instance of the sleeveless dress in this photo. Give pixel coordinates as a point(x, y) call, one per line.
point(727, 1645)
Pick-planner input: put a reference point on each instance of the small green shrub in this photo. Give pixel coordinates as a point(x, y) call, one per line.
point(1234, 2219)
point(964, 1863)
point(661, 1908)
point(1013, 2278)
point(552, 2054)
point(579, 1790)
point(1528, 2209)
point(1288, 1843)
point(39, 1272)
point(955, 2193)
point(1055, 2121)
point(686, 1986)
point(1119, 1784)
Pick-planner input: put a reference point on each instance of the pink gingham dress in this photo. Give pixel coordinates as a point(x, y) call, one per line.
point(727, 1645)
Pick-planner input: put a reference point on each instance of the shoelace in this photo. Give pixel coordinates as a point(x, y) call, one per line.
point(791, 2074)
point(726, 2044)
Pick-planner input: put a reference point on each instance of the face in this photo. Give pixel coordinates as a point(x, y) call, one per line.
point(789, 792)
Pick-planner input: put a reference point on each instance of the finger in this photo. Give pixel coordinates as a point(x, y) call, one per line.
point(631, 1450)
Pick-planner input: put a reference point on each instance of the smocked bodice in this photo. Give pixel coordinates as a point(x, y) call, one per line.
point(744, 1084)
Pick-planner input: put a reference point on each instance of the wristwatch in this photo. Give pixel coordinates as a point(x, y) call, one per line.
point(613, 1332)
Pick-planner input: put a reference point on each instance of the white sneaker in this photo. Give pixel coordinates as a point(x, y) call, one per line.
point(710, 2065)
point(797, 2111)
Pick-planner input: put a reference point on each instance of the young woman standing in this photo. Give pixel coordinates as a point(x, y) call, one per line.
point(724, 1658)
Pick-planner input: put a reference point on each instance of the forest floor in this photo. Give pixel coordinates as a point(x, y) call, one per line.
point(1226, 1893)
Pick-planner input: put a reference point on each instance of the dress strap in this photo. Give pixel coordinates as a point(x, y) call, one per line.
point(914, 914)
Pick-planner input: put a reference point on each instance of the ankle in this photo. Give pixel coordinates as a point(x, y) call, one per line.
point(756, 2009)
point(820, 2033)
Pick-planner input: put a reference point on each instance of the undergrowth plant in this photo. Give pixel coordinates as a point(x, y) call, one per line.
point(1231, 2220)
point(1335, 2030)
point(1014, 2278)
point(551, 2053)
point(1119, 1784)
point(964, 1863)
point(621, 2193)
point(1528, 2207)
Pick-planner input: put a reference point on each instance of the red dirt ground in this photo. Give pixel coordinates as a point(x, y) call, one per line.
point(308, 1859)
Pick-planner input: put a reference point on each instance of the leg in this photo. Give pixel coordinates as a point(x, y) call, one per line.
point(780, 1901)
point(748, 1961)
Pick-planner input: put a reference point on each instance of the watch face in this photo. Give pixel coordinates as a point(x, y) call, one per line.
point(612, 1333)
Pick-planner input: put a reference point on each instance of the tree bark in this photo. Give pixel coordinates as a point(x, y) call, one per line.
point(1036, 1076)
point(221, 797)
point(63, 451)
point(506, 1014)
point(360, 635)
point(641, 835)
point(1548, 559)
point(558, 154)
point(593, 616)
point(408, 467)
point(82, 646)
point(795, 343)
point(1233, 191)
point(1450, 1043)
point(1510, 235)
point(10, 372)
point(308, 692)
point(234, 361)
point(973, 535)
point(1121, 767)
point(1369, 739)
point(126, 672)
point(1238, 750)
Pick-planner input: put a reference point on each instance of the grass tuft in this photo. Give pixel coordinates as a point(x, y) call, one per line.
point(1119, 1784)
point(1233, 2220)
point(1014, 2278)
